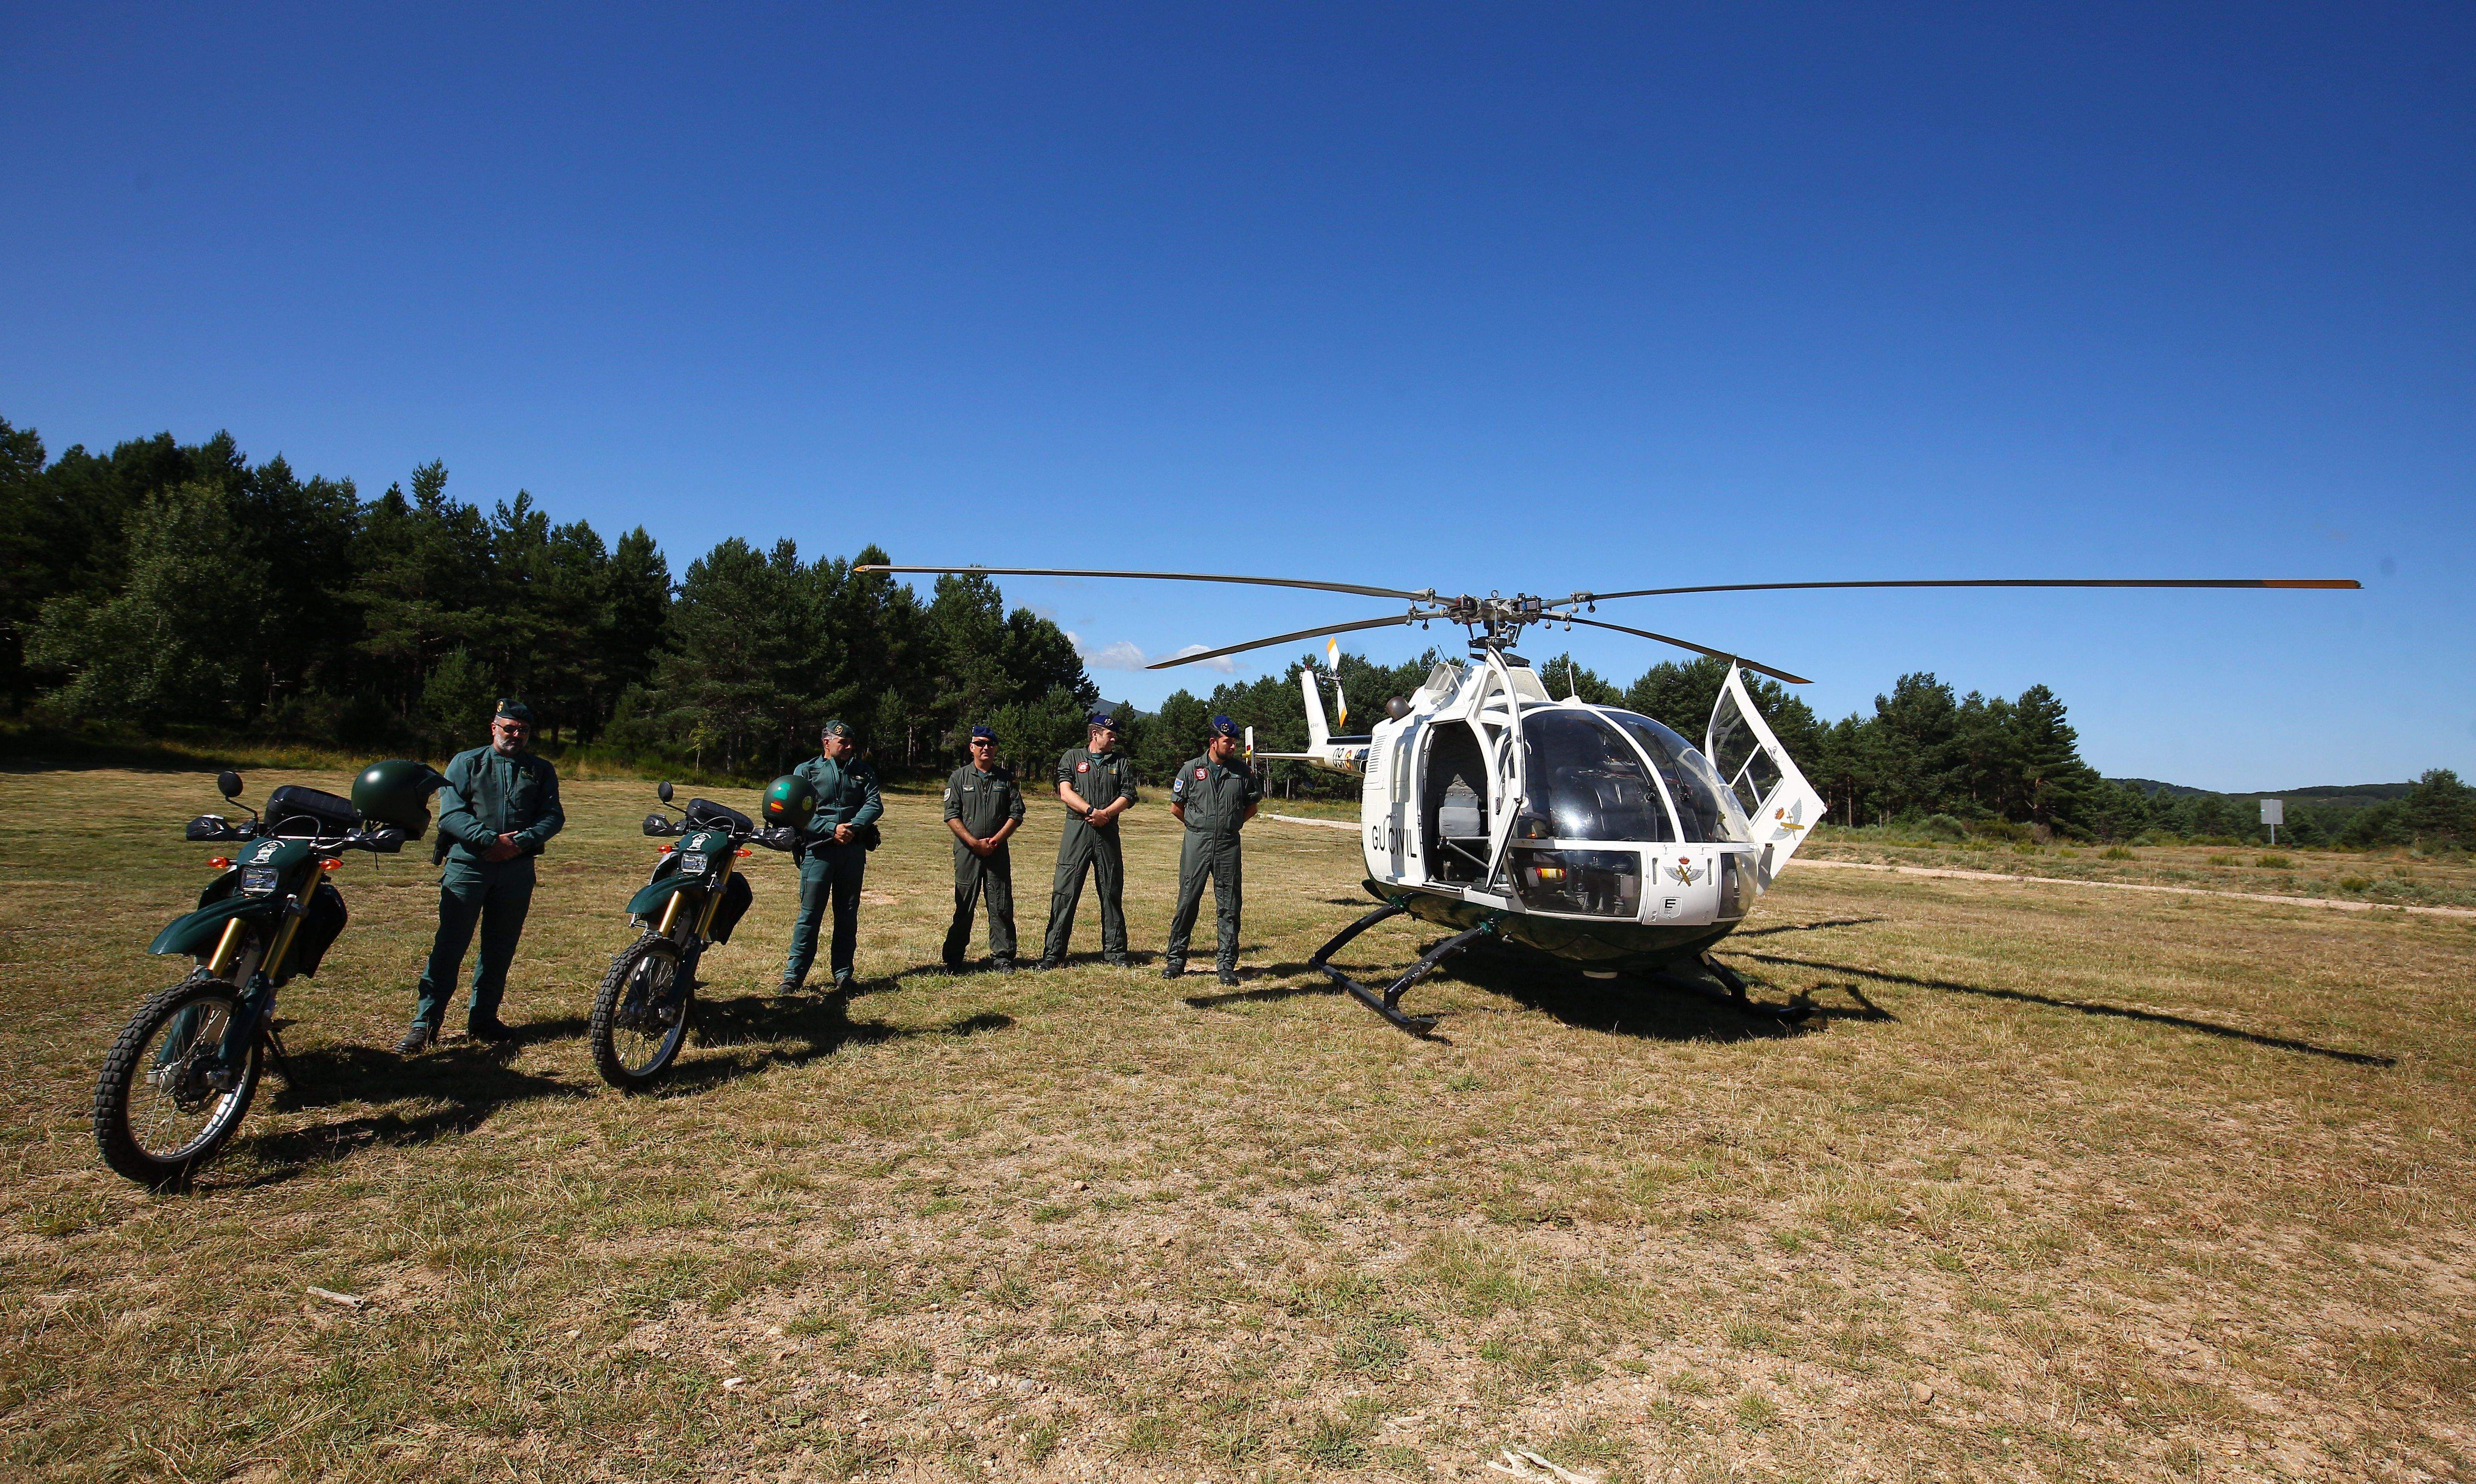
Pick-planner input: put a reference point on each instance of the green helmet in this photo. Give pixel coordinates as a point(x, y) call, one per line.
point(397, 792)
point(790, 800)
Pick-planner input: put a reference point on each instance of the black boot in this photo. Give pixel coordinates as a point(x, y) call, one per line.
point(1173, 969)
point(1229, 976)
point(488, 1027)
point(419, 1039)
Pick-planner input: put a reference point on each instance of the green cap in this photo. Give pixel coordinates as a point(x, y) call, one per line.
point(514, 710)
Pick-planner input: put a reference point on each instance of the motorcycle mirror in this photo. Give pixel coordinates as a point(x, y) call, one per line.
point(230, 783)
point(662, 790)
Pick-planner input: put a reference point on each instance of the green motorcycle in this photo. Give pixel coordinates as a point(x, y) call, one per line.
point(180, 1077)
point(694, 898)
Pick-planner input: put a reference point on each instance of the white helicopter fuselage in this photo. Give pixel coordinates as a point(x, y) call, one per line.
point(1589, 832)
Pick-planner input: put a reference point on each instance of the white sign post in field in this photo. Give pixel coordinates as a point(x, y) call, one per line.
point(2273, 813)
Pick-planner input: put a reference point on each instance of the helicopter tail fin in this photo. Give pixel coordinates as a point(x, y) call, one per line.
point(1341, 755)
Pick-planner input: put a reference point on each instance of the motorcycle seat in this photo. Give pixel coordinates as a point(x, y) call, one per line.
point(705, 814)
point(294, 810)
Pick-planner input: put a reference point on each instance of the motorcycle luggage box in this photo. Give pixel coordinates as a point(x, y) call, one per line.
point(322, 922)
point(294, 810)
point(736, 897)
point(705, 814)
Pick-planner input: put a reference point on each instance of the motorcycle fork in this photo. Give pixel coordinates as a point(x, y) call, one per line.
point(256, 1012)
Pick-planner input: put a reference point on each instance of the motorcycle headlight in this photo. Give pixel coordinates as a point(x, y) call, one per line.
point(692, 862)
point(257, 880)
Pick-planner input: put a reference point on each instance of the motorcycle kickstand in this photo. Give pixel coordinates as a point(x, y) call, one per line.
point(275, 1044)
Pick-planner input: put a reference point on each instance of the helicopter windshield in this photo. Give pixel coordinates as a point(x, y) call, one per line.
point(1700, 814)
point(1584, 782)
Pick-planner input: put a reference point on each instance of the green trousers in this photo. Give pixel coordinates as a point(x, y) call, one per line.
point(826, 873)
point(1202, 856)
point(497, 898)
point(1080, 852)
point(979, 879)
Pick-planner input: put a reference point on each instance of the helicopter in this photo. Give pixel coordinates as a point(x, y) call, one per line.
point(1588, 833)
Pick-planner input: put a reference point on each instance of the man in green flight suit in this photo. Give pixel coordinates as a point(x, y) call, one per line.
point(1097, 783)
point(1213, 796)
point(833, 854)
point(983, 809)
point(498, 809)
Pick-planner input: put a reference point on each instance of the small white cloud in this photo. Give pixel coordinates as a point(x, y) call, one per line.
point(1125, 655)
point(1224, 664)
point(1120, 655)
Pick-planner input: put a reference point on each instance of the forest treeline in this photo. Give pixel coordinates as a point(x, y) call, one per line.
point(179, 590)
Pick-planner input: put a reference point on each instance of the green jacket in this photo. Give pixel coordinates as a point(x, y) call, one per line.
point(489, 795)
point(982, 800)
point(846, 795)
point(1215, 796)
point(1101, 778)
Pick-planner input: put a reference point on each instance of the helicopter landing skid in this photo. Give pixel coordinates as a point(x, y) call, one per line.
point(1736, 998)
point(1387, 1001)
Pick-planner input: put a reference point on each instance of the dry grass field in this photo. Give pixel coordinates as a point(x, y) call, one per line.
point(2055, 1183)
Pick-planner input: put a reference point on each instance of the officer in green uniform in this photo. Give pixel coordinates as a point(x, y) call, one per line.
point(983, 809)
point(833, 854)
point(1213, 796)
point(1097, 783)
point(498, 809)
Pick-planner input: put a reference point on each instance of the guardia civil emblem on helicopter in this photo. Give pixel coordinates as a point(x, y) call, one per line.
point(1589, 833)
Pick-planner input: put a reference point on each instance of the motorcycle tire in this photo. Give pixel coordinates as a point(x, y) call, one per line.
point(188, 1106)
point(640, 1017)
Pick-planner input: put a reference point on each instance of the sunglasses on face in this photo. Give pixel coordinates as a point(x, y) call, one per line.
point(511, 728)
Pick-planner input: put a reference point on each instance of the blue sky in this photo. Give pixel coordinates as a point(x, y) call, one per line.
point(1519, 298)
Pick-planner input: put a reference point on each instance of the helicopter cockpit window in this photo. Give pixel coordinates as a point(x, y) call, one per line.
point(1584, 782)
point(1703, 813)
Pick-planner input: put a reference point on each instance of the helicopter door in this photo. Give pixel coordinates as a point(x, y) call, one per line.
point(1780, 806)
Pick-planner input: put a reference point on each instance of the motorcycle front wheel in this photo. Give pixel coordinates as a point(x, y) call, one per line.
point(640, 1018)
point(176, 1082)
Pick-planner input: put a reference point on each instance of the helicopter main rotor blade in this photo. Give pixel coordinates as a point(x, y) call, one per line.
point(1285, 638)
point(1699, 648)
point(1167, 577)
point(1998, 581)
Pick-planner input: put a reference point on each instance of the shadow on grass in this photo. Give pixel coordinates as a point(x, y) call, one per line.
point(757, 1031)
point(461, 1084)
point(2088, 1007)
point(1264, 993)
point(1831, 922)
point(1632, 1004)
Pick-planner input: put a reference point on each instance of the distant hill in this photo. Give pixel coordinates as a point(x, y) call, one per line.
point(2344, 795)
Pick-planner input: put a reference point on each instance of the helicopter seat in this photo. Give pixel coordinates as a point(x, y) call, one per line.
point(1455, 808)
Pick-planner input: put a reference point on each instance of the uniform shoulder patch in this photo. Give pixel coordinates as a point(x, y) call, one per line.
point(1086, 766)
